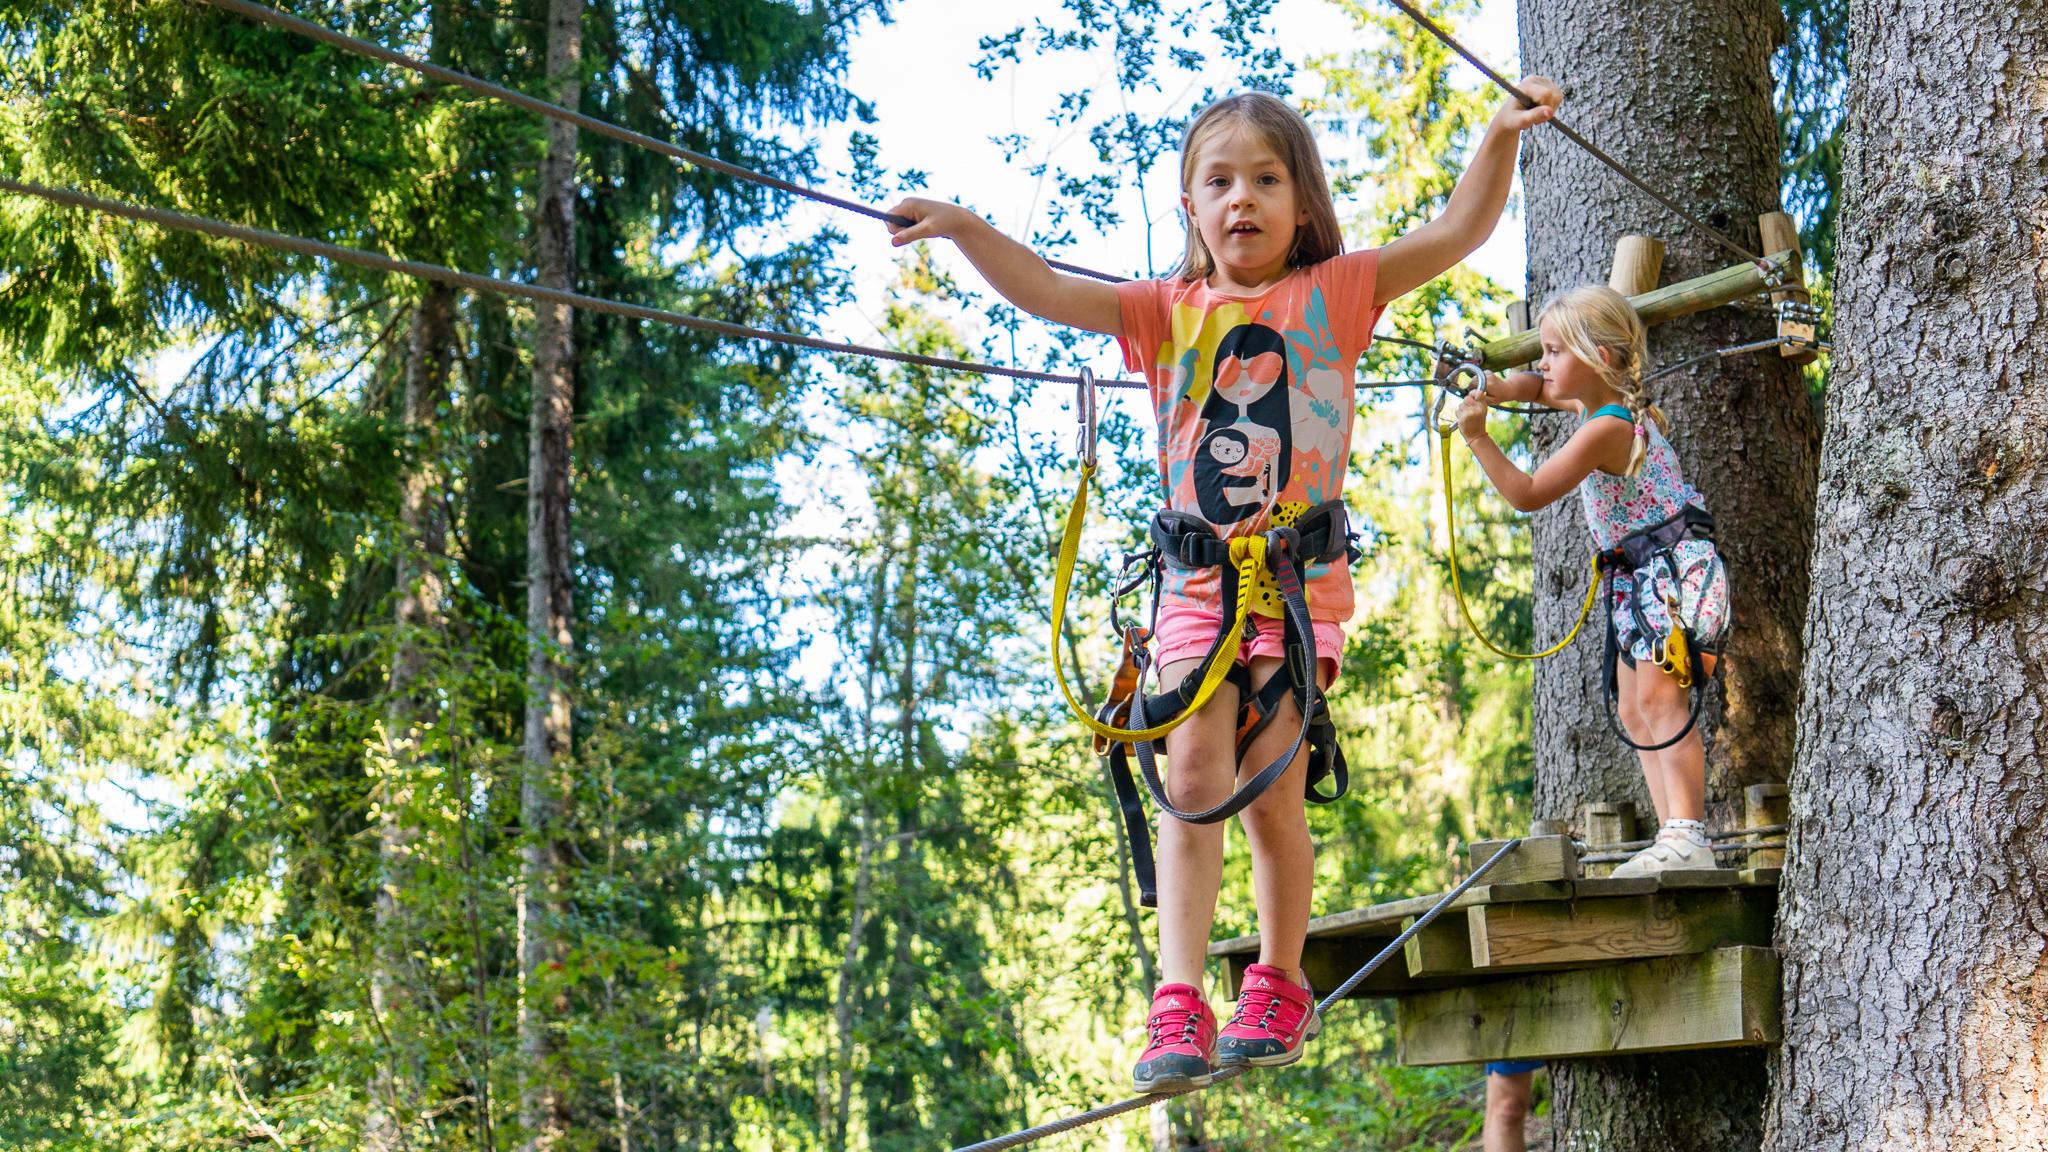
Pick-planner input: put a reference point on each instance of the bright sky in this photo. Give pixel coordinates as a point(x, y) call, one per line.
point(935, 115)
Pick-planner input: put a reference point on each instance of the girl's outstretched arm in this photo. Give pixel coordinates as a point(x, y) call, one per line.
point(1475, 205)
point(1021, 275)
point(1597, 442)
point(1526, 388)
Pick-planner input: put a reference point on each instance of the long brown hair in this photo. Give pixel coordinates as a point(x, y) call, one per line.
point(1281, 128)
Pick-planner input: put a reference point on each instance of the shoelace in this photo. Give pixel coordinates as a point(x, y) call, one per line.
point(1163, 1023)
point(1266, 1013)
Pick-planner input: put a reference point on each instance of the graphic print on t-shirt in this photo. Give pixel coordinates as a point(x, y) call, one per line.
point(1245, 457)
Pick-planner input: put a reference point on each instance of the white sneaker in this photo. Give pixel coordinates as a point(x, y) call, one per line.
point(1668, 854)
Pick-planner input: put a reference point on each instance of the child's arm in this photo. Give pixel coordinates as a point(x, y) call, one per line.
point(1526, 388)
point(1021, 275)
point(1475, 205)
point(1597, 441)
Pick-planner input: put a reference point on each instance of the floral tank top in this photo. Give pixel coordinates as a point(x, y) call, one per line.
point(1618, 505)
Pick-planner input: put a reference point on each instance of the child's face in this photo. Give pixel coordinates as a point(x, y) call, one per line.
point(1244, 202)
point(1566, 374)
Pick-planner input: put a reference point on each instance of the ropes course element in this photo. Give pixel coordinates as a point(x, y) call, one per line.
point(320, 249)
point(1738, 350)
point(1457, 583)
point(1592, 150)
point(1097, 1115)
point(265, 14)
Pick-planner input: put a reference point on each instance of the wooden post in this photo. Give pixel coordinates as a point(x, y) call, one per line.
point(1548, 828)
point(1609, 823)
point(1521, 318)
point(1764, 805)
point(1667, 303)
point(1638, 262)
point(1780, 234)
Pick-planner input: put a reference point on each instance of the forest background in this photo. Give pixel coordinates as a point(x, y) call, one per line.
point(838, 872)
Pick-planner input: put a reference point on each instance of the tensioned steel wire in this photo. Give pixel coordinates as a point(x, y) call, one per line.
point(1039, 1132)
point(1592, 149)
point(320, 249)
point(265, 14)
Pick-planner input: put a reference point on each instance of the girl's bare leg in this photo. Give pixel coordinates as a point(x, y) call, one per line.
point(1639, 729)
point(1665, 707)
point(1201, 763)
point(1276, 828)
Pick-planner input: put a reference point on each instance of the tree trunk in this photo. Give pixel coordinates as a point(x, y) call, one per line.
point(1913, 931)
point(547, 787)
point(1680, 91)
point(422, 596)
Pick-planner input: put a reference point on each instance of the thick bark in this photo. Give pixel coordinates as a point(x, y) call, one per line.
point(422, 596)
point(1915, 909)
point(546, 790)
point(1680, 91)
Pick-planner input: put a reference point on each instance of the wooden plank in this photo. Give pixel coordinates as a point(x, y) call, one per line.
point(1529, 936)
point(1592, 888)
point(1331, 961)
point(1535, 858)
point(1762, 877)
point(1699, 878)
point(1443, 948)
point(1666, 303)
point(1384, 920)
point(1607, 823)
point(1719, 999)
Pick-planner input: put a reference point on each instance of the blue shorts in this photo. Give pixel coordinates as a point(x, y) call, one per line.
point(1512, 1067)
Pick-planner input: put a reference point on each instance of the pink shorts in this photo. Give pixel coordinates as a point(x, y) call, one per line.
point(1185, 633)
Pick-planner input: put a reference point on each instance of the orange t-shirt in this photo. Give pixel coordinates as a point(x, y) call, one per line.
point(1254, 396)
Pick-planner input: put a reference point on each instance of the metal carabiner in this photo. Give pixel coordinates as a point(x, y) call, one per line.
point(1445, 388)
point(1084, 413)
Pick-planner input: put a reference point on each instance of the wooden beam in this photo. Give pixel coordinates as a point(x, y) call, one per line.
point(1608, 823)
point(1384, 920)
point(1535, 858)
point(1638, 263)
point(1779, 232)
point(1766, 805)
point(1330, 961)
point(1720, 999)
point(1580, 932)
point(1443, 948)
point(1668, 303)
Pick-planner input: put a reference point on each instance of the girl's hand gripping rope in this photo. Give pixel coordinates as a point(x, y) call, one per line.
point(1515, 116)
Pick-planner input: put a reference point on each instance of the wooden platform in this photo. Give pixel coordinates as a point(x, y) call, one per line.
point(1553, 964)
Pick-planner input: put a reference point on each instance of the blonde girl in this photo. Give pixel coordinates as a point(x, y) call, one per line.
point(1637, 505)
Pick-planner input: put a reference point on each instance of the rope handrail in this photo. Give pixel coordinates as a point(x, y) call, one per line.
point(377, 261)
point(1107, 1111)
point(265, 14)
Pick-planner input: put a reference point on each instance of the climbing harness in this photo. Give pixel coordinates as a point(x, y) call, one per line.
point(1262, 577)
point(1394, 947)
point(1445, 430)
point(1640, 555)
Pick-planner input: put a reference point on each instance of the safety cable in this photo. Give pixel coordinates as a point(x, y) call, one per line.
point(1097, 1115)
point(263, 13)
point(1740, 349)
point(1592, 150)
point(317, 248)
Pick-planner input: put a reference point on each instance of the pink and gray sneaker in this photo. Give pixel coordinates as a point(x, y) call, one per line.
point(1274, 1019)
point(1182, 1043)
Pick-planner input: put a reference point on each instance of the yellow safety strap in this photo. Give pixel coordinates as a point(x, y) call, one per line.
point(1247, 553)
point(1457, 587)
